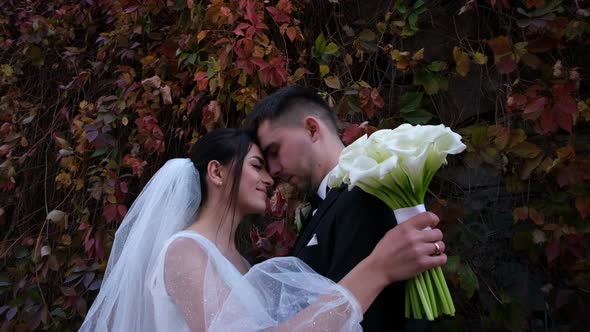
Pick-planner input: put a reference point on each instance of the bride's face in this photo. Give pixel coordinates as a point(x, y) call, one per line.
point(254, 182)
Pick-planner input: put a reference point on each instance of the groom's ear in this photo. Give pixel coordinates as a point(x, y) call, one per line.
point(216, 172)
point(312, 127)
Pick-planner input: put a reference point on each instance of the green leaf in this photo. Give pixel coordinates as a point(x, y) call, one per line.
point(413, 19)
point(453, 264)
point(192, 58)
point(437, 66)
point(428, 82)
point(468, 280)
point(319, 46)
point(99, 152)
point(410, 101)
point(331, 49)
point(36, 55)
point(417, 117)
point(21, 252)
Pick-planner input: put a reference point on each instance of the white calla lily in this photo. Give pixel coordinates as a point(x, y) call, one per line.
point(397, 165)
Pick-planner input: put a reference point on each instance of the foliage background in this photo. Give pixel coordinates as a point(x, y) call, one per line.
point(97, 95)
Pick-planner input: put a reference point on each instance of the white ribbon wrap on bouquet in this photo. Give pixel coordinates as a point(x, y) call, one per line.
point(404, 214)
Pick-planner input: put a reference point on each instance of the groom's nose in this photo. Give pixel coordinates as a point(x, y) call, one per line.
point(274, 167)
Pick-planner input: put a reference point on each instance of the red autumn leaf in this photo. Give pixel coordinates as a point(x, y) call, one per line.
point(121, 211)
point(285, 6)
point(535, 3)
point(351, 133)
point(583, 206)
point(293, 33)
point(565, 121)
point(536, 105)
point(239, 30)
point(244, 49)
point(273, 228)
point(516, 101)
point(369, 100)
point(506, 65)
point(548, 122)
point(136, 164)
point(278, 205)
point(202, 80)
point(354, 131)
point(565, 104)
point(278, 16)
point(273, 72)
point(109, 212)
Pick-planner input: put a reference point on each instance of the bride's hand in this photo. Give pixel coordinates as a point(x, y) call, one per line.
point(409, 248)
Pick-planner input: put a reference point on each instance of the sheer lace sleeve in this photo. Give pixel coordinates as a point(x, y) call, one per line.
point(199, 290)
point(284, 294)
point(194, 282)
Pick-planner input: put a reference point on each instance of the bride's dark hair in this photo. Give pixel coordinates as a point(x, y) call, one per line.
point(229, 146)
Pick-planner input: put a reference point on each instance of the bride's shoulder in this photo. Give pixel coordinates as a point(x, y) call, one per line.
point(187, 242)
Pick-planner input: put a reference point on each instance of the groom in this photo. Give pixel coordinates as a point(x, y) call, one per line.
point(298, 135)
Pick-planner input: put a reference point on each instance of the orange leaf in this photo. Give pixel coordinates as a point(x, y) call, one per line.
point(500, 45)
point(536, 216)
point(521, 213)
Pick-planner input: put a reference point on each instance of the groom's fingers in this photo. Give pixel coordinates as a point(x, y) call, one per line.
point(431, 235)
point(423, 220)
point(431, 262)
point(429, 249)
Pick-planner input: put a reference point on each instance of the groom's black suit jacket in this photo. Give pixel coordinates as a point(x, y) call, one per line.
point(347, 226)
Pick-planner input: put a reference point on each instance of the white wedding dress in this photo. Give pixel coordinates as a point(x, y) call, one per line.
point(200, 290)
point(160, 278)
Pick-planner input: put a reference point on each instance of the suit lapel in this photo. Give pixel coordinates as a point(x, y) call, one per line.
point(310, 228)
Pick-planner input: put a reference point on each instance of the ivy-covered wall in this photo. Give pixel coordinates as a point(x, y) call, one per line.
point(96, 95)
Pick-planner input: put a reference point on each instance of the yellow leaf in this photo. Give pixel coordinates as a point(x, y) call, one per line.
point(418, 55)
point(66, 240)
point(201, 35)
point(333, 82)
point(147, 60)
point(348, 59)
point(520, 49)
point(324, 70)
point(462, 61)
point(79, 184)
point(526, 150)
point(480, 58)
point(584, 109)
point(529, 166)
point(299, 73)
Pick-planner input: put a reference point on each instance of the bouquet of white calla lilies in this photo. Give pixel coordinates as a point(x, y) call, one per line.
point(397, 165)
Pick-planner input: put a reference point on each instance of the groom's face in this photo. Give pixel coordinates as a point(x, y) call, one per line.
point(287, 153)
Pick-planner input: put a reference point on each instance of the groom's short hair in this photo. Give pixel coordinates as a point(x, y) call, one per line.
point(287, 106)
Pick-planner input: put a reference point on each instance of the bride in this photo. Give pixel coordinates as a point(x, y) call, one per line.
point(172, 268)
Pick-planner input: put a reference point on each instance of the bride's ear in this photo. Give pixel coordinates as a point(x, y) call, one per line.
point(216, 172)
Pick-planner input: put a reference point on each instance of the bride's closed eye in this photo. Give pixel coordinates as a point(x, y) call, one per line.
point(257, 163)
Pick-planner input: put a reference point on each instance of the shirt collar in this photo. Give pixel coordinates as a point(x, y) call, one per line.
point(323, 188)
